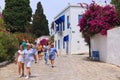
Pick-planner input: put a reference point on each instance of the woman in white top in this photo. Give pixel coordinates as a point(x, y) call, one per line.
point(20, 61)
point(29, 58)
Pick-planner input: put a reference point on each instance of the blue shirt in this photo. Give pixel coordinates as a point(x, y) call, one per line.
point(29, 54)
point(53, 51)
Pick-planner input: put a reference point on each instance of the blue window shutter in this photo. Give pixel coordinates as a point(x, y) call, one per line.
point(68, 22)
point(79, 17)
point(58, 44)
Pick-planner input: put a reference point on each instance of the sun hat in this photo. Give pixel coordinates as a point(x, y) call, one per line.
point(28, 44)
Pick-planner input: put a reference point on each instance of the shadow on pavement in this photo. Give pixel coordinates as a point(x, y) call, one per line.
point(33, 76)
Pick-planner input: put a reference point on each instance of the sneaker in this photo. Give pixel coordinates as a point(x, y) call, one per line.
point(52, 66)
point(27, 77)
point(19, 76)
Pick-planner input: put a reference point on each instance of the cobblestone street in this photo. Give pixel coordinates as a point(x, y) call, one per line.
point(67, 67)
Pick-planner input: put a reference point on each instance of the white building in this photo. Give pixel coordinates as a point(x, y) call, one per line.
point(67, 37)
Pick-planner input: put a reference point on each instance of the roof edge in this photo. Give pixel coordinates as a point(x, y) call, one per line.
point(69, 5)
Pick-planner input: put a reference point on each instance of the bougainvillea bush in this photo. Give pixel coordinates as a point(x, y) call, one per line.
point(98, 19)
point(43, 41)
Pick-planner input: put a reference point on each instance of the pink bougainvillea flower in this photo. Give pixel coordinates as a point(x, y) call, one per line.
point(43, 41)
point(98, 19)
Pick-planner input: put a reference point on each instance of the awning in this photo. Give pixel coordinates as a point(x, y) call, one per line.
point(66, 38)
point(56, 22)
point(60, 19)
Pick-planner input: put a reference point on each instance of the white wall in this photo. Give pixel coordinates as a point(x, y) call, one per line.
point(99, 43)
point(113, 46)
point(78, 45)
point(108, 46)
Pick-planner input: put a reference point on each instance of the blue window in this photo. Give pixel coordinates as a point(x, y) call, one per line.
point(79, 17)
point(58, 44)
point(68, 23)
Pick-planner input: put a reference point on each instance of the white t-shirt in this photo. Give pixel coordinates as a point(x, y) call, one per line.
point(20, 57)
point(21, 51)
point(45, 48)
point(29, 55)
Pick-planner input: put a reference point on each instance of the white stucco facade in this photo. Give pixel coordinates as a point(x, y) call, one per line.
point(68, 39)
point(113, 46)
point(99, 43)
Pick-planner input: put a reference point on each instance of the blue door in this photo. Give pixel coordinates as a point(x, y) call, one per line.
point(66, 39)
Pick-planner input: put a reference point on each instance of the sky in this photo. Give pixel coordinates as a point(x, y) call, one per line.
point(53, 7)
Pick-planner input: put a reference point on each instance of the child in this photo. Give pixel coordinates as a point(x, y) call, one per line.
point(20, 61)
point(52, 54)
